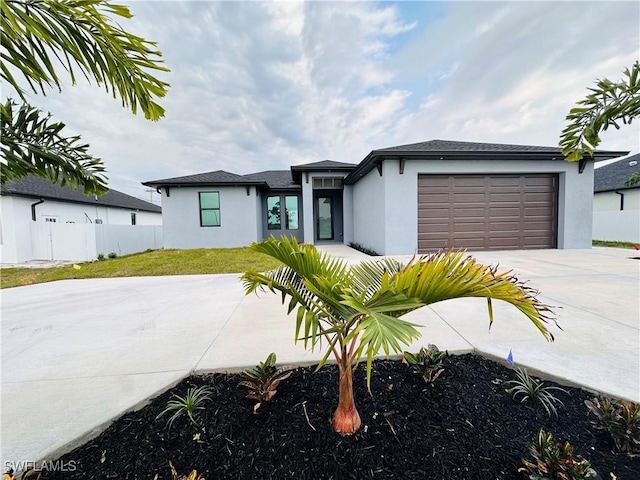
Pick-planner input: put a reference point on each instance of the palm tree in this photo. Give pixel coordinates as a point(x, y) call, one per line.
point(356, 308)
point(40, 39)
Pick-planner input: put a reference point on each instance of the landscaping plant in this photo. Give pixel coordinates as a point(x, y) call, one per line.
point(427, 362)
point(621, 419)
point(174, 474)
point(356, 308)
point(188, 405)
point(361, 248)
point(529, 389)
point(263, 380)
point(554, 460)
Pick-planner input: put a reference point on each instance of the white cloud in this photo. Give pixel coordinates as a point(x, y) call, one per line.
point(264, 85)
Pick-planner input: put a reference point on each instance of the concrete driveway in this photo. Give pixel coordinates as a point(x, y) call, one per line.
point(78, 353)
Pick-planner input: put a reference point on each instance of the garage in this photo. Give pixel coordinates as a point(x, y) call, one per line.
point(487, 212)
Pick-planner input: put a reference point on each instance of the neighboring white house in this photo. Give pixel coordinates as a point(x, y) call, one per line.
point(401, 200)
point(616, 207)
point(43, 221)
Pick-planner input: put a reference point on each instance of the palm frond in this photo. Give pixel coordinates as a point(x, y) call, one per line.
point(448, 275)
point(33, 144)
point(80, 36)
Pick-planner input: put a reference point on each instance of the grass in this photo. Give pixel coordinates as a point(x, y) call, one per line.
point(153, 263)
point(612, 243)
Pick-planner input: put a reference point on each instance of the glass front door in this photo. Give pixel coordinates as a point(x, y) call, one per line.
point(325, 218)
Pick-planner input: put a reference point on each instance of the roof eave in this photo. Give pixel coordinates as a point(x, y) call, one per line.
point(89, 201)
point(160, 183)
point(377, 156)
point(618, 189)
point(297, 170)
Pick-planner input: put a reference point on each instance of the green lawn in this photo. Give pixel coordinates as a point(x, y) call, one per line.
point(609, 243)
point(154, 263)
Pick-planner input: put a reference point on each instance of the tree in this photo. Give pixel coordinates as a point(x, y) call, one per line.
point(79, 36)
point(609, 103)
point(356, 308)
point(633, 179)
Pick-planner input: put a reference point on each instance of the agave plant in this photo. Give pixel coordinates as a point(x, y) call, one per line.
point(356, 308)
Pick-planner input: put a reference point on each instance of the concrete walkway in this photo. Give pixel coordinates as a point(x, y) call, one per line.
point(76, 354)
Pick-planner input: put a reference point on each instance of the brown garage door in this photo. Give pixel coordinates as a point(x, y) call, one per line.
point(480, 212)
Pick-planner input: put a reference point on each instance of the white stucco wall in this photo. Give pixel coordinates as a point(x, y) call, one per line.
point(395, 231)
point(370, 211)
point(238, 213)
point(67, 212)
point(67, 238)
point(307, 208)
point(611, 223)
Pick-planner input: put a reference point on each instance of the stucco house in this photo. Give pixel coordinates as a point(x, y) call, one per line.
point(616, 207)
point(43, 221)
point(401, 200)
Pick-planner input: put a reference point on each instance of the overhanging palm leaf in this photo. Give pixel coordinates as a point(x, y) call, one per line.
point(356, 308)
point(80, 35)
point(32, 144)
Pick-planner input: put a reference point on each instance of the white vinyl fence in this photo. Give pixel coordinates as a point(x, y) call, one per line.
point(84, 242)
point(623, 225)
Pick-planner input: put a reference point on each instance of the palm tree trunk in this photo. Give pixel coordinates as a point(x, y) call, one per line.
point(346, 419)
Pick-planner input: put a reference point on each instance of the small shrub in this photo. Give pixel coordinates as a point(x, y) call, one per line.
point(187, 405)
point(28, 474)
point(363, 249)
point(101, 257)
point(621, 419)
point(112, 255)
point(529, 389)
point(192, 476)
point(427, 362)
point(263, 380)
point(554, 460)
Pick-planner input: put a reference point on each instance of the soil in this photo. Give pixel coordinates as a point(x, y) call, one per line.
point(464, 427)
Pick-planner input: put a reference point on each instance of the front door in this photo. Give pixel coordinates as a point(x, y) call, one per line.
point(324, 207)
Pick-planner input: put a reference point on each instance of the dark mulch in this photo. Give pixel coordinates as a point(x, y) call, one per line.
point(466, 427)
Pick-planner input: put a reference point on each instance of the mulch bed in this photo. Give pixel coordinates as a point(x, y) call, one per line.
point(466, 427)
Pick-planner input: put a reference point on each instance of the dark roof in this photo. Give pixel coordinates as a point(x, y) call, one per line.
point(454, 146)
point(612, 176)
point(36, 187)
point(453, 150)
point(322, 166)
point(272, 179)
point(219, 177)
point(275, 179)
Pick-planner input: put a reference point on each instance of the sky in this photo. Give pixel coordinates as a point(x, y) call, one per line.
point(265, 85)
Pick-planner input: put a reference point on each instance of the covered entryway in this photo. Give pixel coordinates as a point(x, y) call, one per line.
point(328, 216)
point(487, 212)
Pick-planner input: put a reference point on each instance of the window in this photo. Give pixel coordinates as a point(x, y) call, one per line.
point(273, 213)
point(327, 182)
point(209, 209)
point(291, 206)
point(133, 218)
point(277, 219)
